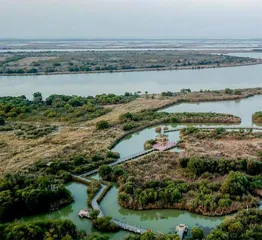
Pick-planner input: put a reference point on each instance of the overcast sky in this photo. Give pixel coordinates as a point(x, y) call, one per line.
point(130, 18)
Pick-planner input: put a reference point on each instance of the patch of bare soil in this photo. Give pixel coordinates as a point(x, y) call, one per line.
point(29, 60)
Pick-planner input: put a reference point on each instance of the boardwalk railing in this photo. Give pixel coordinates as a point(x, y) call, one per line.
point(215, 127)
point(129, 227)
point(94, 202)
point(121, 160)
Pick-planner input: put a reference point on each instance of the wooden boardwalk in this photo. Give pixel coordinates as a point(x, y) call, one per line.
point(119, 161)
point(129, 227)
point(122, 225)
point(94, 202)
point(215, 127)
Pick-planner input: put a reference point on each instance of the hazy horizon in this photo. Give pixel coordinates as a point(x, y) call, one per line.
point(130, 19)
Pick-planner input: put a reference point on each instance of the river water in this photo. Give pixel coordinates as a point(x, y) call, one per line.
point(119, 83)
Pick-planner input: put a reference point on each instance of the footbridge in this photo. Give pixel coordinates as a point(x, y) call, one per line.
point(120, 160)
point(215, 127)
point(129, 227)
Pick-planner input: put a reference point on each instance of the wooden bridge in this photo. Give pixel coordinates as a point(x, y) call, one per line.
point(94, 202)
point(215, 127)
point(119, 161)
point(129, 227)
point(122, 225)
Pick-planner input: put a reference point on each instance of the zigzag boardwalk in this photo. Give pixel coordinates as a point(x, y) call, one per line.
point(120, 160)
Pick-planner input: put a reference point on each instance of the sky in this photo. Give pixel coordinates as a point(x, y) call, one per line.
point(131, 19)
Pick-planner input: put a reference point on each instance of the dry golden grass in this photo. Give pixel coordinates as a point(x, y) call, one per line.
point(229, 148)
point(133, 106)
point(29, 60)
point(18, 153)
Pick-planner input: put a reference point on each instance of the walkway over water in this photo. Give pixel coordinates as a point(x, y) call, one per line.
point(130, 228)
point(121, 160)
point(122, 225)
point(211, 128)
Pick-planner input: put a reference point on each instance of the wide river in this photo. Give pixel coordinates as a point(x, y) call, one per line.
point(119, 83)
point(158, 220)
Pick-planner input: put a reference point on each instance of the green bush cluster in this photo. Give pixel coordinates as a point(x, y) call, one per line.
point(77, 163)
point(197, 193)
point(257, 117)
point(39, 230)
point(221, 166)
point(59, 107)
point(25, 194)
point(104, 224)
point(245, 225)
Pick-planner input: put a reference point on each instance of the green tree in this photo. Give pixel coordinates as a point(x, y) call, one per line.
point(236, 184)
point(102, 125)
point(105, 172)
point(37, 97)
point(2, 121)
point(94, 214)
point(217, 234)
point(197, 233)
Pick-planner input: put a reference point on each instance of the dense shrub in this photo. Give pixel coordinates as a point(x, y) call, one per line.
point(104, 224)
point(102, 125)
point(244, 225)
point(25, 194)
point(50, 229)
point(2, 121)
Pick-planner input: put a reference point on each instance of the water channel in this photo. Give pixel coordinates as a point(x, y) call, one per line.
point(163, 221)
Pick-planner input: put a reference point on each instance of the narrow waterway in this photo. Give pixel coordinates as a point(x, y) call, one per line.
point(164, 220)
point(79, 192)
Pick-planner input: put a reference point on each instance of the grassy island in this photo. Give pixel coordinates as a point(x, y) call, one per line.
point(203, 185)
point(113, 61)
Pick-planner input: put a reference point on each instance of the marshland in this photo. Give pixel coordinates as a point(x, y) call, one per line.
point(53, 139)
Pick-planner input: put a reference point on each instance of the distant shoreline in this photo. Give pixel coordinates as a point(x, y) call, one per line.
point(258, 62)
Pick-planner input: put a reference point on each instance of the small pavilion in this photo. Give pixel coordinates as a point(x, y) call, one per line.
point(162, 143)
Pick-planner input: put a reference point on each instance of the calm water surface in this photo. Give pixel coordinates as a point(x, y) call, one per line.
point(79, 192)
point(119, 83)
point(243, 108)
point(158, 220)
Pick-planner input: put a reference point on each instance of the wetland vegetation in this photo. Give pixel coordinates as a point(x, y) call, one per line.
point(111, 61)
point(208, 186)
point(78, 137)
